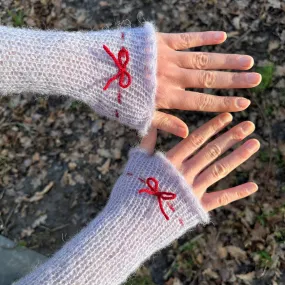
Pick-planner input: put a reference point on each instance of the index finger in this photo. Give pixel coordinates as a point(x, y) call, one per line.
point(182, 41)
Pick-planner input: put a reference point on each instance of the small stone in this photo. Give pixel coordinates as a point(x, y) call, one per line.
point(236, 23)
point(79, 179)
point(27, 162)
point(72, 165)
point(104, 153)
point(97, 126)
point(273, 45)
point(36, 157)
point(117, 154)
point(200, 258)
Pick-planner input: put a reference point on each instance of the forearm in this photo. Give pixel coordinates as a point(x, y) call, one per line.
point(76, 64)
point(130, 229)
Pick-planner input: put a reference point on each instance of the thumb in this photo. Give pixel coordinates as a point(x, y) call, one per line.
point(149, 141)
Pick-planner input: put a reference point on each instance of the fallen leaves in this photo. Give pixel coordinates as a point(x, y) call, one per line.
point(40, 195)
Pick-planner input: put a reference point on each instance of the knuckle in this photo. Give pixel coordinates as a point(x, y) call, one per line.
point(216, 126)
point(196, 140)
point(200, 61)
point(242, 193)
point(163, 122)
point(212, 152)
point(238, 134)
point(185, 40)
point(228, 102)
point(219, 171)
point(207, 78)
point(204, 102)
point(224, 199)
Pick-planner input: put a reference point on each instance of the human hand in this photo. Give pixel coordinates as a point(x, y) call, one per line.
point(177, 70)
point(202, 170)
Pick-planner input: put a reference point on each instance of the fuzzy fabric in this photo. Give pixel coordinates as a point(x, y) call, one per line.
point(130, 229)
point(76, 64)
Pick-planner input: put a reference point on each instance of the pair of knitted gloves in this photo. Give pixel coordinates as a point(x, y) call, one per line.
point(113, 71)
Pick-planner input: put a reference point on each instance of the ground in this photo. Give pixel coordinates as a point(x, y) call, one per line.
point(59, 160)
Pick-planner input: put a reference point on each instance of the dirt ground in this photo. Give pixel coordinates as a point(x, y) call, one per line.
point(59, 160)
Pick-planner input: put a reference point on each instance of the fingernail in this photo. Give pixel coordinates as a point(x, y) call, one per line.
point(252, 145)
point(254, 187)
point(182, 132)
point(252, 78)
point(245, 61)
point(218, 36)
point(243, 103)
point(246, 127)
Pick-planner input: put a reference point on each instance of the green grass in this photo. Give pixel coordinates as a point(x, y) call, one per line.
point(264, 156)
point(280, 236)
point(17, 17)
point(265, 258)
point(267, 75)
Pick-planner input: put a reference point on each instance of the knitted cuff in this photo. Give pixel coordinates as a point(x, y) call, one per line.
point(113, 71)
point(179, 206)
point(150, 206)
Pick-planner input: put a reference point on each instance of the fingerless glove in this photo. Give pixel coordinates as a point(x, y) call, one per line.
point(113, 71)
point(150, 206)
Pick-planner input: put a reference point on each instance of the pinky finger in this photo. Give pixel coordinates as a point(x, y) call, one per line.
point(214, 200)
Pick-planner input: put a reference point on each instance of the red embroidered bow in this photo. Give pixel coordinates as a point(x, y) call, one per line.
point(123, 53)
point(160, 195)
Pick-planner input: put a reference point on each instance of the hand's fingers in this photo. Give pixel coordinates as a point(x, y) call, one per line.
point(206, 60)
point(217, 147)
point(170, 124)
point(195, 140)
point(191, 78)
point(182, 41)
point(149, 141)
point(214, 200)
point(223, 167)
point(195, 101)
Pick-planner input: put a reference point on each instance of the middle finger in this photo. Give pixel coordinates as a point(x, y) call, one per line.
point(191, 78)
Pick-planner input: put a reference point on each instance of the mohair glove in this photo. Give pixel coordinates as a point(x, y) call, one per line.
point(113, 71)
point(150, 206)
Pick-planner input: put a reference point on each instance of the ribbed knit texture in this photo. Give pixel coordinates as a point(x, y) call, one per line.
point(128, 231)
point(75, 64)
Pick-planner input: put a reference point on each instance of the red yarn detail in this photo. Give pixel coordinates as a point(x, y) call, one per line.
point(141, 180)
point(117, 114)
point(119, 97)
point(122, 74)
point(181, 222)
point(154, 191)
point(123, 35)
point(170, 207)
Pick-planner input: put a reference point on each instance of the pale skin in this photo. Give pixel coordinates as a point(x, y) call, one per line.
point(206, 167)
point(178, 70)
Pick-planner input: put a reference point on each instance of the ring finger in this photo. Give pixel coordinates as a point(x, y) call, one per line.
point(223, 167)
point(191, 78)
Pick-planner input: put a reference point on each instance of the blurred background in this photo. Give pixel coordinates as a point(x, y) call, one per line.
point(59, 160)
